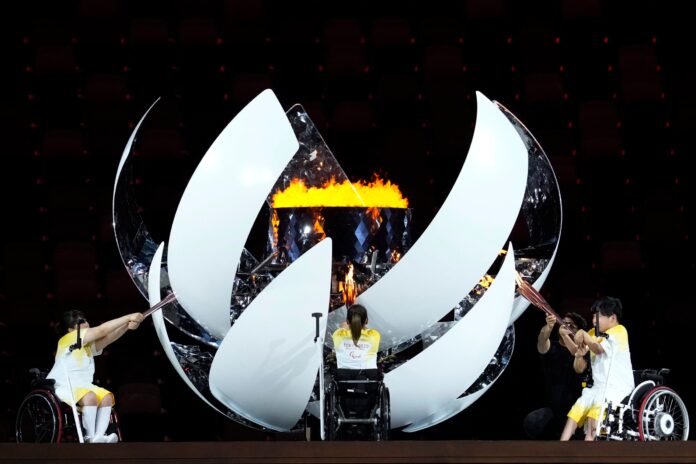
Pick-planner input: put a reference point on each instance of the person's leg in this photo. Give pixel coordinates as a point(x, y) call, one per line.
point(104, 416)
point(569, 429)
point(89, 413)
point(591, 429)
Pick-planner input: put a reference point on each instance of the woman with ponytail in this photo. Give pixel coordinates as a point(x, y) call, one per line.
point(356, 346)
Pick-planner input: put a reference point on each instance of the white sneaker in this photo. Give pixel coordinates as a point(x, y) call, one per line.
point(97, 439)
point(111, 438)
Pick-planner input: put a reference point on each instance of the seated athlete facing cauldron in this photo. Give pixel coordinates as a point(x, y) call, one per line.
point(356, 347)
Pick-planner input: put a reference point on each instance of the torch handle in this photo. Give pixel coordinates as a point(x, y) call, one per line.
point(535, 298)
point(168, 299)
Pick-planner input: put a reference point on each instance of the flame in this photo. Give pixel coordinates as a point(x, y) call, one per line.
point(486, 281)
point(378, 193)
point(395, 256)
point(318, 229)
point(348, 287)
point(275, 222)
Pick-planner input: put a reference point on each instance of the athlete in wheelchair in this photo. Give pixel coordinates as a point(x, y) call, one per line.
point(614, 408)
point(356, 398)
point(49, 413)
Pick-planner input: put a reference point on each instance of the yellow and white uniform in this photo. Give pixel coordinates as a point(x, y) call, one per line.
point(362, 356)
point(79, 365)
point(612, 373)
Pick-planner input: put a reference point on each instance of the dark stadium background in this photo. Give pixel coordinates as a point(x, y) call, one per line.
point(606, 87)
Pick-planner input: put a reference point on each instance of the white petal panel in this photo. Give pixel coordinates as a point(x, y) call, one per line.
point(433, 378)
point(219, 206)
point(126, 152)
point(449, 410)
point(266, 367)
point(160, 326)
point(463, 239)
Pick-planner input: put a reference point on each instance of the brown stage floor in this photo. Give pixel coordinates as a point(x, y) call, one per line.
point(349, 452)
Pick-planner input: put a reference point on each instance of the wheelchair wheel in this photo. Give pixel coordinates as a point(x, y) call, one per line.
point(38, 419)
point(663, 416)
point(330, 414)
point(384, 423)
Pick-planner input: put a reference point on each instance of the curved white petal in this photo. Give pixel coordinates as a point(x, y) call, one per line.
point(126, 152)
point(463, 239)
point(266, 366)
point(153, 287)
point(219, 207)
point(432, 379)
point(449, 410)
point(124, 229)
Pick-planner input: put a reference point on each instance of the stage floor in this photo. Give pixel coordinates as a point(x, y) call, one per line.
point(349, 452)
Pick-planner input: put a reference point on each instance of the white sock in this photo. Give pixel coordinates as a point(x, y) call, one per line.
point(89, 419)
point(102, 422)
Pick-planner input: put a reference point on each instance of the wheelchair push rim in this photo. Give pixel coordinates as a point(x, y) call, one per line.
point(38, 419)
point(663, 416)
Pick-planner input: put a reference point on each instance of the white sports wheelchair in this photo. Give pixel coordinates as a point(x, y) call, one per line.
point(651, 412)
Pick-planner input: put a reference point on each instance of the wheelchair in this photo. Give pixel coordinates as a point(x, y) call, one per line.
point(357, 408)
point(651, 412)
point(43, 418)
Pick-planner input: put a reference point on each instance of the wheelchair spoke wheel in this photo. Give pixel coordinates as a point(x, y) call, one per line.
point(385, 415)
point(38, 420)
point(330, 415)
point(663, 416)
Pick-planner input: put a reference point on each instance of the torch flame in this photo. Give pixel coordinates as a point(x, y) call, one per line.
point(348, 288)
point(395, 256)
point(378, 193)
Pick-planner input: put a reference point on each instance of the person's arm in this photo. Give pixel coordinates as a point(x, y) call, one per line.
point(567, 339)
point(580, 363)
point(133, 324)
point(543, 342)
point(583, 338)
point(96, 333)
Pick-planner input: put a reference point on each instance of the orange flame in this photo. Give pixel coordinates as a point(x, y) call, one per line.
point(275, 222)
point(377, 193)
point(348, 287)
point(318, 229)
point(395, 256)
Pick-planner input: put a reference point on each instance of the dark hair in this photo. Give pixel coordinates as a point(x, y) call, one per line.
point(356, 318)
point(69, 320)
point(608, 305)
point(579, 321)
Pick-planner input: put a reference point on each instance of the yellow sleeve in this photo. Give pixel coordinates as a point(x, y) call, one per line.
point(620, 335)
point(66, 341)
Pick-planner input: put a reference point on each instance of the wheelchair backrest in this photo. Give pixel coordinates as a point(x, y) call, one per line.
point(655, 375)
point(38, 379)
point(358, 388)
point(358, 398)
